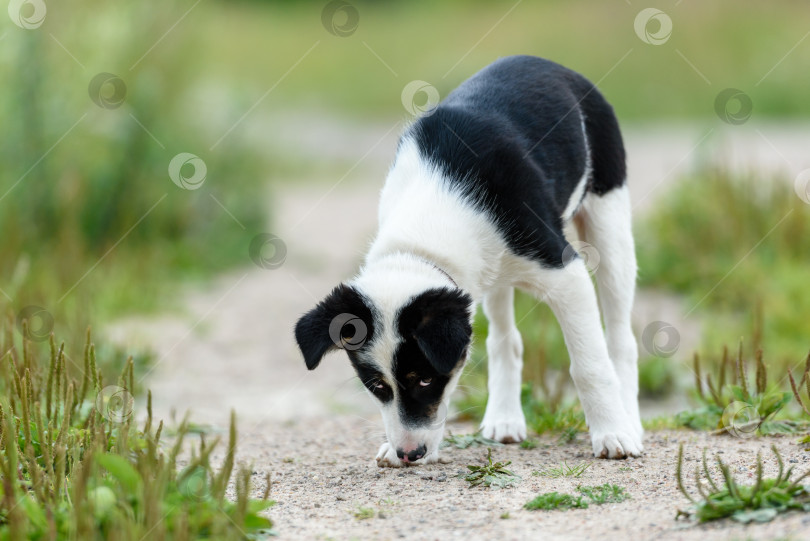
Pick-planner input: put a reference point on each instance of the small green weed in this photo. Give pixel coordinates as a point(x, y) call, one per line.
point(364, 513)
point(464, 441)
point(492, 474)
point(758, 503)
point(603, 494)
point(556, 500)
point(505, 515)
point(729, 404)
point(528, 443)
point(598, 495)
point(564, 470)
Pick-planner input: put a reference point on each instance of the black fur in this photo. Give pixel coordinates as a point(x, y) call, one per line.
point(436, 332)
point(312, 332)
point(510, 138)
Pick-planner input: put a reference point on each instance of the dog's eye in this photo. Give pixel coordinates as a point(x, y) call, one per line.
point(424, 382)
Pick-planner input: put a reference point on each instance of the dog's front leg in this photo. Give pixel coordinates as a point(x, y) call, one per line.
point(503, 419)
point(572, 297)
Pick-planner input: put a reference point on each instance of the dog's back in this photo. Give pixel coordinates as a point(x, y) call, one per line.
point(525, 139)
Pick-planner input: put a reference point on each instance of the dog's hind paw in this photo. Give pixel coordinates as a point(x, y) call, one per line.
point(618, 444)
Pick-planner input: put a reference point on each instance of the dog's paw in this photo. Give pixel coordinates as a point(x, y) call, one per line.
point(616, 444)
point(387, 457)
point(505, 429)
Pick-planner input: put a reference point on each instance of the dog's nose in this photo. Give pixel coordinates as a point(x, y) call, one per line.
point(412, 456)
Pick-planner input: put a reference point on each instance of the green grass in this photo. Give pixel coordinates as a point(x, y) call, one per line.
point(564, 470)
point(425, 40)
point(760, 502)
point(602, 494)
point(657, 377)
point(556, 501)
point(463, 441)
point(730, 403)
point(364, 513)
point(92, 225)
point(492, 474)
point(75, 465)
point(732, 233)
point(528, 443)
point(596, 495)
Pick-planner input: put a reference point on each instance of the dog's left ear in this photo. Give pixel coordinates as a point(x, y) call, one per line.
point(341, 321)
point(439, 321)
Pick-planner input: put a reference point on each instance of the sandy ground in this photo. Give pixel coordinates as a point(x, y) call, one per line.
point(323, 473)
point(230, 346)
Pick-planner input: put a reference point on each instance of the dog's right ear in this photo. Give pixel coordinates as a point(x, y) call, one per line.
point(342, 320)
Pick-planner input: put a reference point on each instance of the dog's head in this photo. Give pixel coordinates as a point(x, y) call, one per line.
point(408, 344)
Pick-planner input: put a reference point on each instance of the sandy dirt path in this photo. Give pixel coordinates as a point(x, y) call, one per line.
point(231, 347)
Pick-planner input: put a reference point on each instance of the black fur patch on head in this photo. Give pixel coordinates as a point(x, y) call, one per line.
point(436, 332)
point(342, 320)
point(372, 378)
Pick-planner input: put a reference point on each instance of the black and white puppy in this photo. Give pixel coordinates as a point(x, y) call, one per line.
point(474, 206)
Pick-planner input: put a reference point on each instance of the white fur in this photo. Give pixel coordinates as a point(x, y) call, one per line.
point(607, 221)
point(503, 419)
point(576, 196)
point(416, 203)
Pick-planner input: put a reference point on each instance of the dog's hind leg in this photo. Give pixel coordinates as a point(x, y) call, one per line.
point(606, 221)
point(503, 420)
point(570, 294)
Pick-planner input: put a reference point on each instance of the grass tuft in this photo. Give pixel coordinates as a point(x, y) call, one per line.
point(555, 500)
point(528, 443)
point(603, 494)
point(730, 403)
point(492, 474)
point(364, 513)
point(596, 495)
point(75, 465)
point(725, 498)
point(564, 470)
point(463, 441)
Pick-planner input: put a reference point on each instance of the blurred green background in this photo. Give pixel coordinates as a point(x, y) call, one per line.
point(92, 227)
